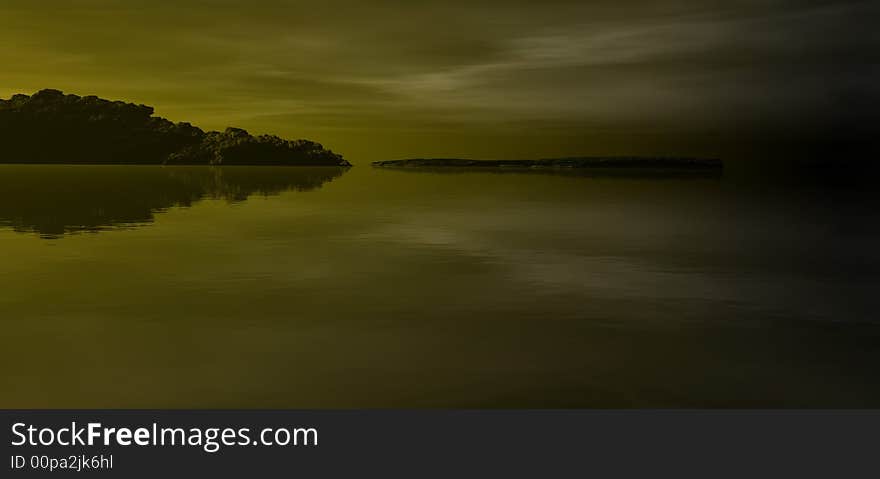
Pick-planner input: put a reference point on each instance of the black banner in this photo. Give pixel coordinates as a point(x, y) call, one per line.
point(450, 443)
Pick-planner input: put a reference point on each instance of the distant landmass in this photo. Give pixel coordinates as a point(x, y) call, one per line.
point(51, 127)
point(575, 162)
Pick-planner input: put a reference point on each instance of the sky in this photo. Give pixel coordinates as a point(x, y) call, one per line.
point(387, 79)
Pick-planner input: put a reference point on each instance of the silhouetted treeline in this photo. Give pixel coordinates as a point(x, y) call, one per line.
point(55, 200)
point(51, 127)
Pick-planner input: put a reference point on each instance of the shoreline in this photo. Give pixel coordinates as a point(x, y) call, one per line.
point(596, 162)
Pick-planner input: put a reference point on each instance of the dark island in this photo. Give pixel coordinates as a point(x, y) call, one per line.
point(51, 127)
point(559, 163)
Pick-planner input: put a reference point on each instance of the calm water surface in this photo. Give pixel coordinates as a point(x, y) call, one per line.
point(267, 287)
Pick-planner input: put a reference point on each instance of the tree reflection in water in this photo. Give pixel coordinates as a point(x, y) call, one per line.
point(56, 200)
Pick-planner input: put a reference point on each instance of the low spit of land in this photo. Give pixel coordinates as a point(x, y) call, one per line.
point(577, 162)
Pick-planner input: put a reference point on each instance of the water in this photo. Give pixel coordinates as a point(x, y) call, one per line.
point(266, 287)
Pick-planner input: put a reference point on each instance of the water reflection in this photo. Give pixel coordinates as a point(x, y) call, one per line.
point(57, 200)
point(398, 289)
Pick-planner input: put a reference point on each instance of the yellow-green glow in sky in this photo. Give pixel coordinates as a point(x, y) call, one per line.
point(392, 78)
